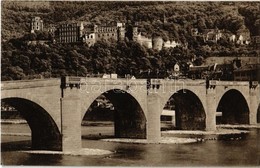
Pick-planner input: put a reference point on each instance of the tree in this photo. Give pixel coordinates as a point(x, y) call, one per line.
point(12, 73)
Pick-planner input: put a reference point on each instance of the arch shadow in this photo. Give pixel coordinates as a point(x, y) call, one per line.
point(129, 118)
point(234, 108)
point(44, 131)
point(189, 111)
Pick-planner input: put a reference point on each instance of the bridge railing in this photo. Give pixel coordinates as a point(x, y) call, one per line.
point(22, 84)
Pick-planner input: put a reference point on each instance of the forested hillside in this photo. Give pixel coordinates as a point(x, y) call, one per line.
point(170, 20)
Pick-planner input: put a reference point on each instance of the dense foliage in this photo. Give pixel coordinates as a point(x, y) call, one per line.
point(171, 20)
point(54, 60)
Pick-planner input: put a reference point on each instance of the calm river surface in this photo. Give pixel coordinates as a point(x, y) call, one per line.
point(243, 152)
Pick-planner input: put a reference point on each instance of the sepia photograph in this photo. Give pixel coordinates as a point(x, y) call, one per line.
point(130, 83)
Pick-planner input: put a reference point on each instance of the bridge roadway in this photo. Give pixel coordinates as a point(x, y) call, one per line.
point(54, 108)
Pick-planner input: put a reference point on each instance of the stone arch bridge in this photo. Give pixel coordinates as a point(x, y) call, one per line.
point(54, 108)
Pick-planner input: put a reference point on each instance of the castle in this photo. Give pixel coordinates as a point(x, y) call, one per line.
point(155, 43)
point(80, 33)
point(114, 32)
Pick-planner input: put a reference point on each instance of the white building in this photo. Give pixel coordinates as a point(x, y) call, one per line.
point(172, 44)
point(144, 41)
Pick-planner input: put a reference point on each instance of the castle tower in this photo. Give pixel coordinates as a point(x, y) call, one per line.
point(121, 33)
point(81, 28)
point(157, 43)
point(36, 24)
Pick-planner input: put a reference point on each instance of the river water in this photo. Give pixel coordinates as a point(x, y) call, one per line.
point(242, 152)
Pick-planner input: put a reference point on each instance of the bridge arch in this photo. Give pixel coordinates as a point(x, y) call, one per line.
point(44, 131)
point(234, 108)
point(129, 116)
point(189, 111)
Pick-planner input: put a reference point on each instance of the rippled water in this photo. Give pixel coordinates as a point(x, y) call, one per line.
point(243, 152)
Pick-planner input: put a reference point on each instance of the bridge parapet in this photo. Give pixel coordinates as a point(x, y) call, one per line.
point(93, 87)
point(71, 80)
point(100, 85)
point(186, 82)
point(161, 84)
point(109, 81)
point(22, 84)
point(232, 83)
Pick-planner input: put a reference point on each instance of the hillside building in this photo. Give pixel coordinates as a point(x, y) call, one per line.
point(89, 39)
point(171, 44)
point(157, 43)
point(51, 29)
point(144, 41)
point(243, 36)
point(69, 33)
point(111, 32)
point(232, 38)
point(212, 35)
point(36, 24)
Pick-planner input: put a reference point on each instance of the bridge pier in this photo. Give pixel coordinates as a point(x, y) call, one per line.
point(210, 109)
point(71, 122)
point(253, 99)
point(153, 118)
